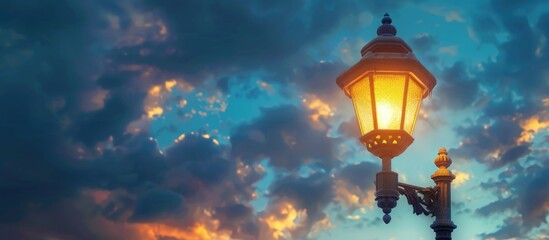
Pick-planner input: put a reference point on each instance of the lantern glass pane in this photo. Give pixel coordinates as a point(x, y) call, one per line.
point(413, 102)
point(362, 100)
point(389, 96)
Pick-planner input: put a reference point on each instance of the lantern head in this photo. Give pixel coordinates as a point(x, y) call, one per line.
point(387, 86)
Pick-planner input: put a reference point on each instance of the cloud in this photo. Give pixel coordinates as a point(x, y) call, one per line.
point(504, 134)
point(450, 50)
point(287, 137)
point(319, 79)
point(498, 136)
point(350, 128)
point(308, 194)
point(354, 185)
point(456, 90)
point(526, 196)
point(156, 203)
point(76, 76)
point(449, 15)
point(242, 37)
point(80, 81)
point(423, 42)
point(461, 178)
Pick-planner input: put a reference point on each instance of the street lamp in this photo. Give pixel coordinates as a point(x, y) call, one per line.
point(387, 86)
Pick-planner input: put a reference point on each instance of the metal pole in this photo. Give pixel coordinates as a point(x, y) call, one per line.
point(443, 225)
point(386, 188)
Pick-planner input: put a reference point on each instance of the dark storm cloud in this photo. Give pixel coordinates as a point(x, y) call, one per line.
point(361, 175)
point(31, 155)
point(423, 42)
point(319, 79)
point(285, 135)
point(238, 216)
point(350, 128)
point(511, 228)
point(456, 89)
point(156, 204)
point(527, 188)
point(494, 145)
point(216, 37)
point(533, 208)
point(515, 81)
point(120, 108)
point(54, 66)
point(143, 186)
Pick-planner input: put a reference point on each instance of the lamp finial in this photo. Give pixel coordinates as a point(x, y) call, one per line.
point(386, 29)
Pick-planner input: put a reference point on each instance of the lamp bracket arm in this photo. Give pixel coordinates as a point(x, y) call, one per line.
point(423, 200)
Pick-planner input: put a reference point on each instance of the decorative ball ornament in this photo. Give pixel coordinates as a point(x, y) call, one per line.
point(442, 160)
point(386, 29)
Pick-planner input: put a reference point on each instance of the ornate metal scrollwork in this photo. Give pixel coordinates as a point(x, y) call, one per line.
point(426, 204)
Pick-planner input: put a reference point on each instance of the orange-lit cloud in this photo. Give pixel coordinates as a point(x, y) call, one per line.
point(266, 86)
point(461, 178)
point(154, 112)
point(158, 95)
point(530, 127)
point(319, 227)
point(197, 232)
point(144, 26)
point(318, 110)
point(94, 100)
point(99, 196)
point(352, 197)
point(282, 218)
point(317, 107)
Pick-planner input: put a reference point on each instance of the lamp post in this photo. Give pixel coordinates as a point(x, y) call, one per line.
point(387, 86)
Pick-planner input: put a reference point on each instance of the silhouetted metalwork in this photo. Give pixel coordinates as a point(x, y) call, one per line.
point(424, 204)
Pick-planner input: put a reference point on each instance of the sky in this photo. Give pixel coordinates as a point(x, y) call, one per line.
point(204, 119)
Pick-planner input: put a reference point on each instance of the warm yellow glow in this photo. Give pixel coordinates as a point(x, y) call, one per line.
point(389, 96)
point(154, 112)
point(170, 84)
point(461, 178)
point(182, 103)
point(386, 116)
point(319, 108)
point(530, 127)
point(266, 87)
point(353, 217)
point(284, 219)
point(392, 97)
point(155, 90)
point(362, 100)
point(180, 138)
point(413, 102)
